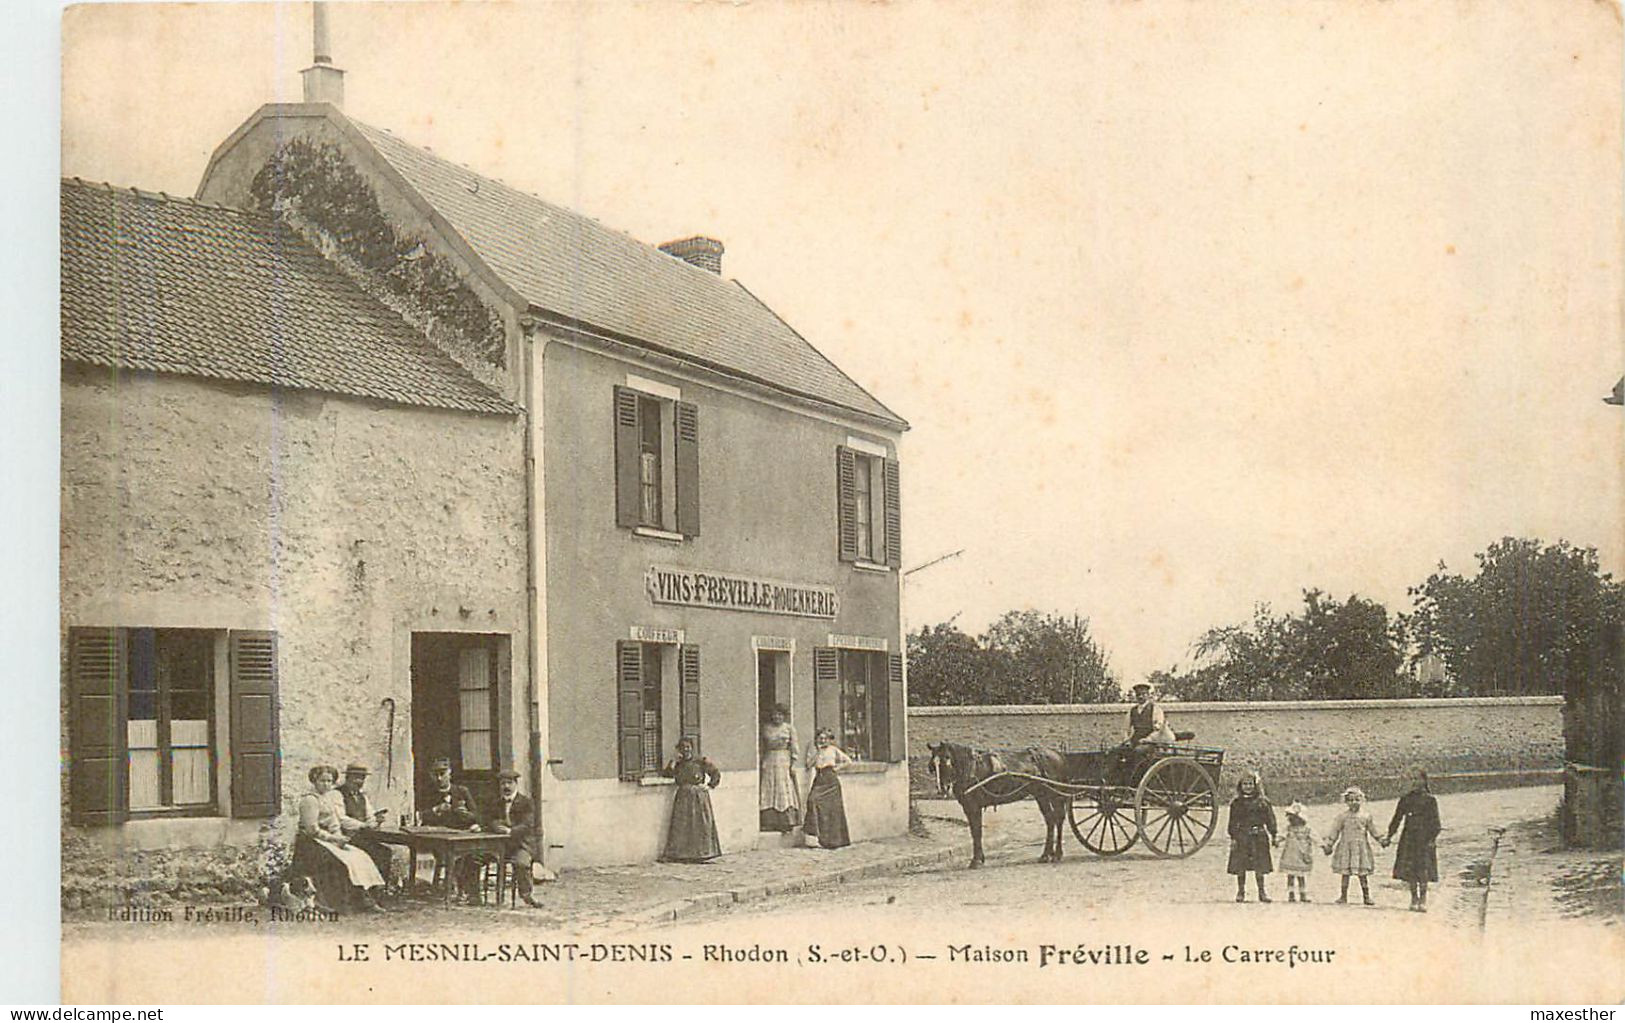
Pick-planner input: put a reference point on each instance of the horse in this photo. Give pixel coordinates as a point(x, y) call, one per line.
point(970, 776)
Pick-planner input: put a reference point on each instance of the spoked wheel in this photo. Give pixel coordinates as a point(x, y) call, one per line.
point(1176, 807)
point(1103, 820)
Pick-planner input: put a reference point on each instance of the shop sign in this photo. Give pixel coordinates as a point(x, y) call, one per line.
point(650, 634)
point(687, 587)
point(857, 642)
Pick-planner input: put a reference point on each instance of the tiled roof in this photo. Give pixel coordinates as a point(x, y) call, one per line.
point(573, 267)
point(151, 282)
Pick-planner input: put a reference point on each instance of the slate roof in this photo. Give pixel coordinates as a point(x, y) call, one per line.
point(152, 282)
point(569, 265)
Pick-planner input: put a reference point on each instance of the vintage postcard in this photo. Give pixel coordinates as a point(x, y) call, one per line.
point(838, 502)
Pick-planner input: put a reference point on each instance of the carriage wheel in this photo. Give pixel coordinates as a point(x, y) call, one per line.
point(1103, 820)
point(1176, 807)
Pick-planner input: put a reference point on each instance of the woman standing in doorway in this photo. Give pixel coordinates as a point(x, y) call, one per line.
point(780, 797)
point(826, 810)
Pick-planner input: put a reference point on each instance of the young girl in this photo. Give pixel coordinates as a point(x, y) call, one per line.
point(1252, 827)
point(826, 811)
point(1415, 861)
point(1348, 843)
point(692, 835)
point(1297, 845)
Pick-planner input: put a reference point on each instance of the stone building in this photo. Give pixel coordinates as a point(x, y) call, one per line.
point(284, 514)
point(655, 491)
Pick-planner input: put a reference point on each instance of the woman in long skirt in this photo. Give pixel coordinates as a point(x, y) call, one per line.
point(826, 811)
point(1416, 861)
point(343, 874)
point(692, 835)
point(780, 797)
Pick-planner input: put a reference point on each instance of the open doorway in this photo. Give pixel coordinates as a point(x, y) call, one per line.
point(776, 747)
point(458, 682)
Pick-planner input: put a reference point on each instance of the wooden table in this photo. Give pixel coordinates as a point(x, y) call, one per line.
point(448, 846)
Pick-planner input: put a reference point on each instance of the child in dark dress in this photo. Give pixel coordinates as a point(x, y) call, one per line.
point(1416, 861)
point(1252, 829)
point(692, 835)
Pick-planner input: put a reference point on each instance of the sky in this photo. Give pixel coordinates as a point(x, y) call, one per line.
point(1189, 306)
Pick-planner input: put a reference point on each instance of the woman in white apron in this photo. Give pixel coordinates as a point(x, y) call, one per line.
point(343, 874)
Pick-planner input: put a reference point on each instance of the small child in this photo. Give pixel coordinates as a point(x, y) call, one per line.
point(1297, 845)
point(1252, 827)
point(1348, 843)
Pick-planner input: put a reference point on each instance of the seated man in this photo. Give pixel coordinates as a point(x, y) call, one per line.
point(1146, 725)
point(445, 805)
point(1145, 719)
point(513, 814)
point(360, 815)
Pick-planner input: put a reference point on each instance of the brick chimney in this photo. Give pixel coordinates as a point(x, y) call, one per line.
point(703, 252)
point(324, 83)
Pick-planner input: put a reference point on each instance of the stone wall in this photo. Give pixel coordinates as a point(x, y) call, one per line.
point(1304, 749)
point(342, 525)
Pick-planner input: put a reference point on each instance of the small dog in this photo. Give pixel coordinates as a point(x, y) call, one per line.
point(296, 893)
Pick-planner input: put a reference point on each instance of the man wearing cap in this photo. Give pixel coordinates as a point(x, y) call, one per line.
point(1145, 725)
point(445, 805)
point(1145, 720)
point(513, 814)
point(359, 815)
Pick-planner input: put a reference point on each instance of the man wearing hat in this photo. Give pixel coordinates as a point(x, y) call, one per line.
point(444, 805)
point(513, 814)
point(359, 814)
point(1145, 725)
point(1145, 720)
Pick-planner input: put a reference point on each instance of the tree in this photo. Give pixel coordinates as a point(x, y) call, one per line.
point(1528, 622)
point(946, 667)
point(1023, 657)
point(1330, 650)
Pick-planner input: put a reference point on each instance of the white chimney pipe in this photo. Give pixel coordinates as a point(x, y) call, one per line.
point(321, 44)
point(323, 82)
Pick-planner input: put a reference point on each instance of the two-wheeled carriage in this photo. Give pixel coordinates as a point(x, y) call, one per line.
point(1164, 793)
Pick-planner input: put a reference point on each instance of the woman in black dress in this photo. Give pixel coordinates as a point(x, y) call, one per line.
point(1416, 861)
point(1252, 829)
point(826, 810)
point(692, 835)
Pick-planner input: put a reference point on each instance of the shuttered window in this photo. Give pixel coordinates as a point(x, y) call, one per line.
point(688, 671)
point(868, 507)
point(256, 755)
point(656, 706)
point(98, 791)
point(859, 695)
point(629, 707)
point(657, 463)
point(142, 725)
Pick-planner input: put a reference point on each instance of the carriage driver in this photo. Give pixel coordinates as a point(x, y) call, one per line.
point(1146, 725)
point(1145, 720)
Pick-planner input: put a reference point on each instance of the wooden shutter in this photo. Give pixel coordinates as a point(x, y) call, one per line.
point(893, 514)
point(629, 699)
point(628, 492)
point(688, 469)
point(827, 689)
point(256, 755)
point(897, 707)
point(98, 760)
point(846, 501)
point(688, 673)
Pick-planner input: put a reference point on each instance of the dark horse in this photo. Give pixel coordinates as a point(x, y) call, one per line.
point(964, 773)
